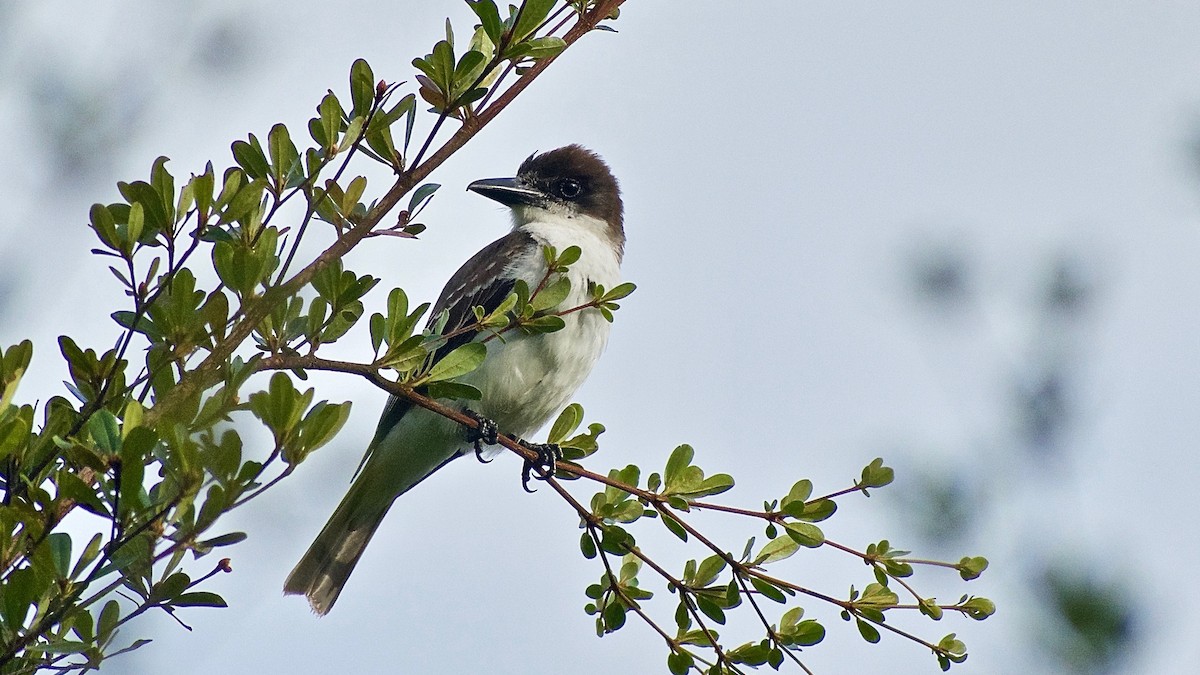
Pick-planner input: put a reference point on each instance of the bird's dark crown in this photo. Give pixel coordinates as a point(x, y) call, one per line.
point(573, 175)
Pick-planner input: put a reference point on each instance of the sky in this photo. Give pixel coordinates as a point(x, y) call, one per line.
point(785, 166)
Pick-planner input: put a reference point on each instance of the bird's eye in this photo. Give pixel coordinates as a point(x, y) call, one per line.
point(569, 188)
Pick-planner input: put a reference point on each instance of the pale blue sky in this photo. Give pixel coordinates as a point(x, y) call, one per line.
point(781, 164)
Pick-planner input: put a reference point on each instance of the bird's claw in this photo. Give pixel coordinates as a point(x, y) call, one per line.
point(486, 433)
point(548, 455)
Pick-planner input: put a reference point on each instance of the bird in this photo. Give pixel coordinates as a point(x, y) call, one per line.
point(561, 198)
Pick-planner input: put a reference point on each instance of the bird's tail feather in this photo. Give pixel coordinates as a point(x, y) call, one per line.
point(325, 567)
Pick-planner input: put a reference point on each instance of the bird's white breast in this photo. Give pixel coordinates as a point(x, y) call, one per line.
point(527, 379)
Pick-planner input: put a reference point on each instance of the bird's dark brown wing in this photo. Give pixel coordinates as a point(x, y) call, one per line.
point(481, 281)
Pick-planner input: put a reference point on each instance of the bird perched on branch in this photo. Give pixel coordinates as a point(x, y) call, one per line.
point(561, 198)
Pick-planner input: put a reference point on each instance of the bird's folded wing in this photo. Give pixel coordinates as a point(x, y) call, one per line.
point(481, 282)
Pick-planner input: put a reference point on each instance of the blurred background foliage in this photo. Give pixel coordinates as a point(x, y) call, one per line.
point(83, 111)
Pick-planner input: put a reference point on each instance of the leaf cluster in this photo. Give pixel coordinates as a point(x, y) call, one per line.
point(148, 436)
point(709, 588)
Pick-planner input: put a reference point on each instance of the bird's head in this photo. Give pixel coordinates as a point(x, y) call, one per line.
point(571, 183)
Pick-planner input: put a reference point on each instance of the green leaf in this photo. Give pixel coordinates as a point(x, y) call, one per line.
point(354, 131)
point(280, 406)
point(713, 485)
point(354, 192)
point(377, 325)
point(616, 540)
point(170, 587)
point(154, 213)
point(972, 567)
point(362, 87)
point(800, 492)
point(869, 632)
point(587, 545)
point(821, 509)
point(680, 459)
point(105, 225)
point(537, 48)
point(322, 422)
point(237, 266)
point(458, 391)
point(60, 552)
point(246, 200)
point(134, 451)
point(459, 362)
point(330, 125)
point(202, 190)
point(532, 14)
point(21, 589)
point(143, 325)
point(108, 621)
point(544, 324)
point(72, 487)
point(404, 357)
point(521, 290)
point(808, 633)
point(251, 158)
point(680, 662)
point(60, 647)
point(878, 596)
point(552, 295)
point(420, 196)
point(284, 157)
point(199, 599)
point(489, 18)
point(15, 428)
point(710, 609)
point(379, 138)
point(614, 616)
point(979, 608)
point(768, 590)
point(566, 424)
point(929, 607)
point(105, 431)
point(136, 644)
point(569, 256)
point(952, 651)
point(164, 185)
point(675, 528)
point(776, 550)
point(90, 553)
point(224, 540)
point(708, 570)
point(619, 292)
point(805, 534)
point(876, 474)
point(468, 68)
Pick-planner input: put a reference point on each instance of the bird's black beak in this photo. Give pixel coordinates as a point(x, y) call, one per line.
point(507, 191)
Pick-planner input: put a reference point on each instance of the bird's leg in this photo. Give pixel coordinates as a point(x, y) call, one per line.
point(548, 455)
point(486, 433)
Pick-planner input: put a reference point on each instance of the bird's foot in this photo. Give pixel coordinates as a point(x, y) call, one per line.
point(548, 455)
point(485, 434)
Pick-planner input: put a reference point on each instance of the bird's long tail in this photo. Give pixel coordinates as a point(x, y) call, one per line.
point(325, 567)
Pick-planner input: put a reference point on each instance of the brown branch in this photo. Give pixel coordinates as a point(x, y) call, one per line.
point(875, 563)
point(656, 500)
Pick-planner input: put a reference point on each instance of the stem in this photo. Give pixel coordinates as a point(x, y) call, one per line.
point(616, 588)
